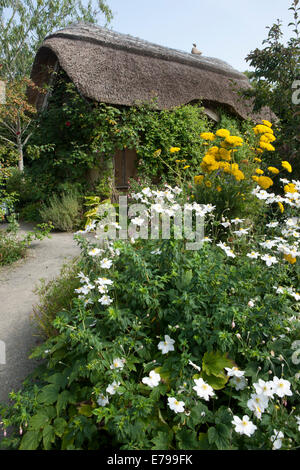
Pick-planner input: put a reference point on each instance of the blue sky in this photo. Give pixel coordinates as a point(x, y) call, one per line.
point(226, 29)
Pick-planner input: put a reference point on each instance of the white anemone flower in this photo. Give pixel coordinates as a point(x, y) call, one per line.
point(269, 259)
point(102, 400)
point(153, 379)
point(258, 404)
point(175, 405)
point(253, 255)
point(203, 390)
point(105, 300)
point(166, 345)
point(234, 372)
point(241, 232)
point(103, 281)
point(244, 426)
point(240, 383)
point(95, 252)
point(264, 388)
point(105, 263)
point(195, 366)
point(112, 388)
point(277, 439)
point(117, 363)
point(281, 387)
point(137, 221)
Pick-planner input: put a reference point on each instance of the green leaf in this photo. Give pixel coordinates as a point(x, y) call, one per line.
point(48, 436)
point(214, 362)
point(223, 416)
point(31, 440)
point(38, 421)
point(200, 414)
point(203, 441)
point(48, 394)
point(217, 383)
point(220, 436)
point(85, 410)
point(187, 439)
point(163, 440)
point(57, 379)
point(63, 399)
point(60, 425)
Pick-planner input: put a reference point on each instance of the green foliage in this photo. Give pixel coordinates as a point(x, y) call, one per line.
point(55, 296)
point(276, 69)
point(14, 247)
point(26, 23)
point(63, 212)
point(75, 136)
point(193, 296)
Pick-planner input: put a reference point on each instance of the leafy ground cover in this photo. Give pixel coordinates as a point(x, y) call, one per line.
point(169, 348)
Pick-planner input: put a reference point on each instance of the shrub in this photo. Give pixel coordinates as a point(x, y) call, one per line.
point(14, 247)
point(172, 347)
point(55, 296)
point(63, 212)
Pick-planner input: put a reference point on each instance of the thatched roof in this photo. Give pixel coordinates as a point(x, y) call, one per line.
point(119, 69)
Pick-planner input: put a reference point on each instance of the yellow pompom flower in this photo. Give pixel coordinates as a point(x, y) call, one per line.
point(273, 170)
point(290, 259)
point(281, 207)
point(259, 171)
point(266, 146)
point(286, 166)
point(266, 123)
point(186, 167)
point(209, 164)
point(259, 151)
point(224, 166)
point(261, 129)
point(198, 179)
point(213, 150)
point(224, 154)
point(290, 188)
point(264, 182)
point(238, 174)
point(257, 160)
point(208, 184)
point(223, 133)
point(269, 137)
point(234, 141)
point(255, 178)
point(174, 149)
point(218, 188)
point(207, 136)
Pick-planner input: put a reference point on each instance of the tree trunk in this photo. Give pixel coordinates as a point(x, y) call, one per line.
point(21, 160)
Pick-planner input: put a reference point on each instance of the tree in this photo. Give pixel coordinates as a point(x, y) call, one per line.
point(23, 26)
point(16, 117)
point(25, 23)
point(276, 71)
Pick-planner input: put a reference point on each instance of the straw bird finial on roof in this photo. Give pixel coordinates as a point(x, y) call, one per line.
point(195, 50)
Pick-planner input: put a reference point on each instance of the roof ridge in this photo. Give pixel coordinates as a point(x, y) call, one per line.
point(103, 35)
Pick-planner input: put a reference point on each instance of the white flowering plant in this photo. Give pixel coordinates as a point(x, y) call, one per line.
point(166, 348)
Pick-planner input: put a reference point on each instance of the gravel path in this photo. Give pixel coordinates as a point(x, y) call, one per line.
point(44, 260)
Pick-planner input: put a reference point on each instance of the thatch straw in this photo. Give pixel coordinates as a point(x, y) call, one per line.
point(119, 69)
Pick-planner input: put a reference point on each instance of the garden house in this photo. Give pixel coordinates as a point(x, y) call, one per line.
point(118, 69)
